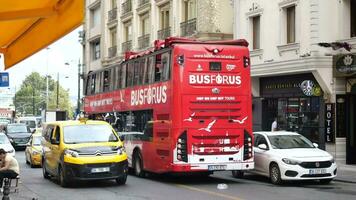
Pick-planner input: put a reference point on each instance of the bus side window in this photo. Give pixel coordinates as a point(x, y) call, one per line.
point(150, 70)
point(123, 72)
point(166, 66)
point(92, 84)
point(136, 80)
point(130, 74)
point(106, 80)
point(141, 71)
point(158, 68)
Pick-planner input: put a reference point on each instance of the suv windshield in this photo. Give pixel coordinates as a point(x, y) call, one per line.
point(17, 129)
point(289, 142)
point(29, 123)
point(88, 133)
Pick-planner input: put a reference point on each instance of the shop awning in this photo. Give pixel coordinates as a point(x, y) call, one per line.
point(31, 25)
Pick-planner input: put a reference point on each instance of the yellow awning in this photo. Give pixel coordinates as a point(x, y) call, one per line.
point(27, 26)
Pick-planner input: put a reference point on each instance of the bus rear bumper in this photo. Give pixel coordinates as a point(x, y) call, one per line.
point(198, 167)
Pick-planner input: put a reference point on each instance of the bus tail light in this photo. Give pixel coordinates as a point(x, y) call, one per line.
point(247, 146)
point(182, 151)
point(246, 61)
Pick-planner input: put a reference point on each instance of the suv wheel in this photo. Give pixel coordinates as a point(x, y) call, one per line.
point(138, 165)
point(44, 171)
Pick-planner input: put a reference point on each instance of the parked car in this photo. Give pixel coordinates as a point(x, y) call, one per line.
point(129, 139)
point(6, 145)
point(82, 150)
point(283, 156)
point(18, 134)
point(33, 150)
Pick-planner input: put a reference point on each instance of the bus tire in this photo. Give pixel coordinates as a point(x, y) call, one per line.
point(138, 165)
point(237, 173)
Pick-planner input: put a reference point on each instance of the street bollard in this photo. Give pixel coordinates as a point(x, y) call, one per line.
point(6, 191)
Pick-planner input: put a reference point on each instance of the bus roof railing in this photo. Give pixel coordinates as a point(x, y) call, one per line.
point(160, 44)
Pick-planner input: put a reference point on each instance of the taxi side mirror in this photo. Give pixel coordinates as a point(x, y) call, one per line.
point(122, 137)
point(54, 141)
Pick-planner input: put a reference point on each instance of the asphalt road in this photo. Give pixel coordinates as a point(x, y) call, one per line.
point(159, 187)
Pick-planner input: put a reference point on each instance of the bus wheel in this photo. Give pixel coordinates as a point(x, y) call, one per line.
point(138, 165)
point(237, 173)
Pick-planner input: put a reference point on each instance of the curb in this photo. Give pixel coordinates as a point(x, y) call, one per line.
point(344, 181)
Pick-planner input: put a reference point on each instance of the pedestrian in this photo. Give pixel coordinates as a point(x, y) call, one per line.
point(9, 167)
point(274, 126)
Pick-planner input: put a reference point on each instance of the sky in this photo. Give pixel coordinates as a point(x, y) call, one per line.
point(65, 50)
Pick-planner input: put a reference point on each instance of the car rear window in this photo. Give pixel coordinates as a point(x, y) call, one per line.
point(17, 129)
point(89, 133)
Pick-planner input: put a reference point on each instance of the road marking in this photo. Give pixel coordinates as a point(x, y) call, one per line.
point(208, 192)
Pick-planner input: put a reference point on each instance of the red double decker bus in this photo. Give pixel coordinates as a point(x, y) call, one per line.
point(183, 106)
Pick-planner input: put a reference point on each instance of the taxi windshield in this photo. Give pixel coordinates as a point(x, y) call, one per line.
point(88, 133)
point(37, 141)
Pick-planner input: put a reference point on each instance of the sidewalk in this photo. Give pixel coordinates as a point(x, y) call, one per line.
point(346, 173)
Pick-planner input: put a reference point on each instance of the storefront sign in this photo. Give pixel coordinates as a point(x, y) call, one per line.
point(329, 122)
point(292, 85)
point(344, 65)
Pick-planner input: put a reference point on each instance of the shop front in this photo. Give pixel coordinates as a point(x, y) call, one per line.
point(345, 68)
point(297, 103)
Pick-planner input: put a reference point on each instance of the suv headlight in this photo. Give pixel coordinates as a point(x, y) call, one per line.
point(290, 161)
point(72, 153)
point(121, 150)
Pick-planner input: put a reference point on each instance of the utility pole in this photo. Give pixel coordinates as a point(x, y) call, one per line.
point(33, 101)
point(47, 79)
point(78, 100)
point(57, 89)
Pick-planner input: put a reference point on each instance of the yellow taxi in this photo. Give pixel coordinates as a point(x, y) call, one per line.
point(33, 150)
point(83, 150)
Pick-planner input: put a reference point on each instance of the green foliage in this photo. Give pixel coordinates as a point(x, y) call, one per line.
point(32, 96)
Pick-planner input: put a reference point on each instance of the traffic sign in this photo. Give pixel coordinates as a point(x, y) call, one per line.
point(4, 79)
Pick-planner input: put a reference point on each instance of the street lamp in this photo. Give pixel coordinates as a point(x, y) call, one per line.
point(57, 105)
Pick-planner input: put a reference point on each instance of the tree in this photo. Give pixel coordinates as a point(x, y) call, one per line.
point(31, 98)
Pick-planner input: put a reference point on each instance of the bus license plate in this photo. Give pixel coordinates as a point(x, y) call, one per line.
point(216, 167)
point(100, 170)
point(317, 171)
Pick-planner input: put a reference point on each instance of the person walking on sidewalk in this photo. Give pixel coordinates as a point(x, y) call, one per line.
point(9, 167)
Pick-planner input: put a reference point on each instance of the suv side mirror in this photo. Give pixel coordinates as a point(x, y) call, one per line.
point(315, 145)
point(263, 146)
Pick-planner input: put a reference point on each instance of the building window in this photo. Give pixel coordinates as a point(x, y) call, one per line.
point(113, 4)
point(95, 49)
point(256, 32)
point(164, 16)
point(190, 9)
point(95, 17)
point(145, 24)
point(290, 24)
point(113, 33)
point(353, 18)
point(128, 32)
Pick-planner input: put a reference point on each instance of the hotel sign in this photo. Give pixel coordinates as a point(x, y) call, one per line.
point(329, 122)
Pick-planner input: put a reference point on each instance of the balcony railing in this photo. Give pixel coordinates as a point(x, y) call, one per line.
point(126, 7)
point(112, 51)
point(164, 33)
point(112, 14)
point(142, 2)
point(126, 46)
point(188, 27)
point(144, 41)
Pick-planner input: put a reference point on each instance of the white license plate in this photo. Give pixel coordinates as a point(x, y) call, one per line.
point(317, 171)
point(99, 170)
point(217, 167)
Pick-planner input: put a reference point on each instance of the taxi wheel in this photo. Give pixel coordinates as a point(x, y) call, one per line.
point(275, 174)
point(122, 179)
point(138, 169)
point(31, 163)
point(237, 173)
point(61, 178)
point(44, 171)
